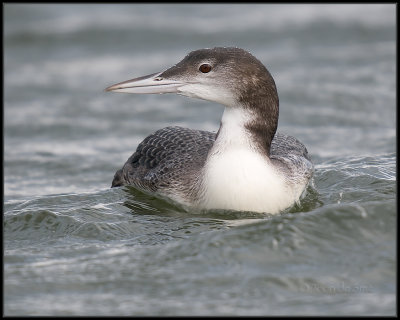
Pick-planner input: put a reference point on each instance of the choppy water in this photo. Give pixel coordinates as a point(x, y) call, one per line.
point(73, 246)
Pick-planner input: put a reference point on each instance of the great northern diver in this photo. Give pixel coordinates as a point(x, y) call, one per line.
point(245, 166)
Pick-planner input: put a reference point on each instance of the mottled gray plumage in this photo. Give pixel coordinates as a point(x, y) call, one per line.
point(168, 159)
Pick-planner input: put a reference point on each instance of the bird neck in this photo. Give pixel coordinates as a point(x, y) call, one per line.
point(238, 174)
point(248, 128)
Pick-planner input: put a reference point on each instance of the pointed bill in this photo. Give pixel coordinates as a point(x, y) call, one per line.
point(151, 83)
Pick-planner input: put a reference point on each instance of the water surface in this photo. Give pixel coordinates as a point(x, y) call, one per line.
point(73, 246)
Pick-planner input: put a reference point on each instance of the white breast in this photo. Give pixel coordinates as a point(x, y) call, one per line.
point(243, 180)
point(237, 177)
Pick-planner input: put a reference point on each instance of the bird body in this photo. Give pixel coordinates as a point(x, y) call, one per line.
point(245, 166)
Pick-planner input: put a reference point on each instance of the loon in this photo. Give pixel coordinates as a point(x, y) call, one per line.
point(246, 165)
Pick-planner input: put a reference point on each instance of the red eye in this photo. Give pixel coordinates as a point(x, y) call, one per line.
point(205, 68)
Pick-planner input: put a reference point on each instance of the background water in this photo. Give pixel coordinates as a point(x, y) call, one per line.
point(73, 246)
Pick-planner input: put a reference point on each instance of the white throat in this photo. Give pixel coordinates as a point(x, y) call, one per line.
point(237, 175)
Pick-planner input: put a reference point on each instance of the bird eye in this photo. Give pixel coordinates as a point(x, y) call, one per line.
point(205, 68)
